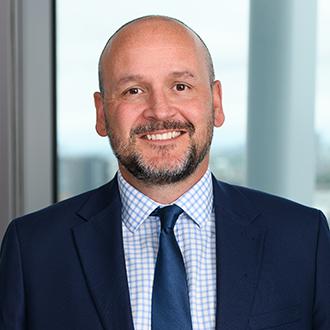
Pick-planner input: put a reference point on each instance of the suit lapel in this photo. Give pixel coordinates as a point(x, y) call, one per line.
point(239, 245)
point(100, 248)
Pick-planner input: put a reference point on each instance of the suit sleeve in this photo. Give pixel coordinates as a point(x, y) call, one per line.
point(12, 306)
point(321, 312)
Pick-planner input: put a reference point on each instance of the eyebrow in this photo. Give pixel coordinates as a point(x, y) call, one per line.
point(138, 77)
point(134, 77)
point(180, 74)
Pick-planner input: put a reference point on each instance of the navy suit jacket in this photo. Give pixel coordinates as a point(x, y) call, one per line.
point(63, 268)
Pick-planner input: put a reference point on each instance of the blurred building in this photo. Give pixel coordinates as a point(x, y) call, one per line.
point(81, 173)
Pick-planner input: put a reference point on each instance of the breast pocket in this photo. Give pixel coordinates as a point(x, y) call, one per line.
point(275, 319)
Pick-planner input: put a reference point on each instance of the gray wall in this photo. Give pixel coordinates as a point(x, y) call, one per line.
point(26, 107)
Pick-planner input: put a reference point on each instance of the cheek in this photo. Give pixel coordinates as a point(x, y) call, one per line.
point(198, 112)
point(122, 119)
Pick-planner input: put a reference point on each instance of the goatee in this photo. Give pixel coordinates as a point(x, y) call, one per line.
point(153, 174)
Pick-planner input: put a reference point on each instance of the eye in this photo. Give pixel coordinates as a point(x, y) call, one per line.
point(133, 91)
point(180, 87)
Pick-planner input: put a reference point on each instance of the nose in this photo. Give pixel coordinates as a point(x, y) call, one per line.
point(159, 107)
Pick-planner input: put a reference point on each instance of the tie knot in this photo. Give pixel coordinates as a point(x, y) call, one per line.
point(168, 215)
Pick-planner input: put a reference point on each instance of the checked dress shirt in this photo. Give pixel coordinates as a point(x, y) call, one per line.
point(195, 233)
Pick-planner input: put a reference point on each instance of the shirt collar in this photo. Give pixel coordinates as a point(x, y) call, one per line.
point(197, 202)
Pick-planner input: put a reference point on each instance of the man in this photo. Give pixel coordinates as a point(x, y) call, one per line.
point(236, 258)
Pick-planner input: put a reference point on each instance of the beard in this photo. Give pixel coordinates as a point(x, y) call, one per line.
point(152, 172)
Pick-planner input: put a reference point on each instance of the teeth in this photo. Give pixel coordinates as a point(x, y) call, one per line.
point(164, 136)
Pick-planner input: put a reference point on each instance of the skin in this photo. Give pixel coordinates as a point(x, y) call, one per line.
point(154, 71)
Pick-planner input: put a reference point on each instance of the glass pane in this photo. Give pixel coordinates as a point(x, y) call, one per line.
point(85, 159)
point(322, 192)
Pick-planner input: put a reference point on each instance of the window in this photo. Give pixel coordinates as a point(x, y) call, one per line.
point(322, 106)
point(86, 160)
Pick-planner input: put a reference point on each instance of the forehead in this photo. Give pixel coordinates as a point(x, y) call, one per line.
point(152, 42)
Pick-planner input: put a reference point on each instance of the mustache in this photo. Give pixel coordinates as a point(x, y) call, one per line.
point(161, 125)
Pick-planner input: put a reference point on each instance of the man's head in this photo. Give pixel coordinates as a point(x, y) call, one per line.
point(158, 101)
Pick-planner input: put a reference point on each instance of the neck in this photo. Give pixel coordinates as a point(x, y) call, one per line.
point(168, 193)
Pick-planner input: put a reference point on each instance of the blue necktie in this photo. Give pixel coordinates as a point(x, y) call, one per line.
point(170, 300)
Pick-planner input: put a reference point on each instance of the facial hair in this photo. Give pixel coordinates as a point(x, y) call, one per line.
point(133, 160)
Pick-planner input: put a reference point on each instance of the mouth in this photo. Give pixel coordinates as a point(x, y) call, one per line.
point(164, 136)
point(162, 132)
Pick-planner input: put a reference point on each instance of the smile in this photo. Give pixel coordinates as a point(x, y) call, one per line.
point(163, 136)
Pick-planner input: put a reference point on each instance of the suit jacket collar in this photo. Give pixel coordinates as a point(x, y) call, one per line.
point(239, 246)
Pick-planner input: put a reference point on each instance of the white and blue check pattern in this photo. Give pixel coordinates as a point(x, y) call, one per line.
point(195, 233)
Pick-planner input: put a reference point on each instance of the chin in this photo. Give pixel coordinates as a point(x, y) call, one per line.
point(164, 163)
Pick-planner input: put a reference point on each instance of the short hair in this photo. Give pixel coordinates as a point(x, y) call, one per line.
point(208, 57)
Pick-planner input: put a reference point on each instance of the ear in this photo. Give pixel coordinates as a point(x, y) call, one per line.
point(101, 127)
point(219, 116)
